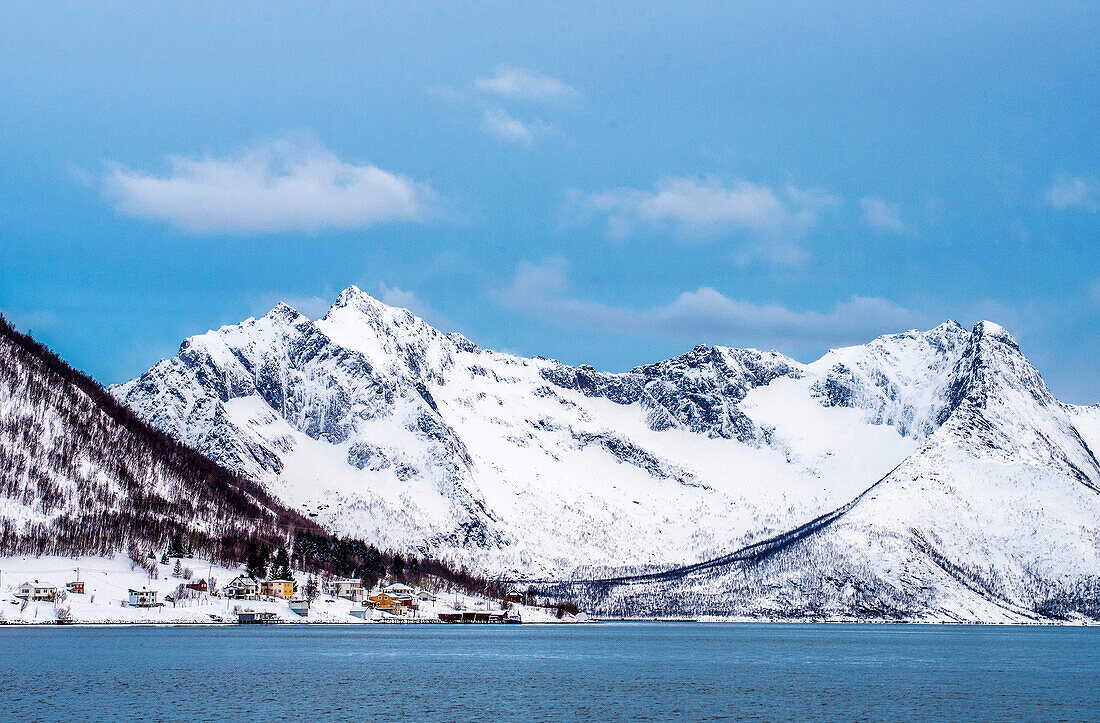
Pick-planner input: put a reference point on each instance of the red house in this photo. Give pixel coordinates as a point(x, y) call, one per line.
point(200, 585)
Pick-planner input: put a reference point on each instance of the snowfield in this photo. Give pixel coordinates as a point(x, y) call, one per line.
point(945, 480)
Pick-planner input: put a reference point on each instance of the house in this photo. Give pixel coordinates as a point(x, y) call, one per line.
point(349, 589)
point(476, 616)
point(385, 602)
point(76, 586)
point(299, 606)
point(143, 598)
point(37, 592)
point(514, 597)
point(398, 589)
point(261, 618)
point(426, 596)
point(409, 601)
point(199, 586)
point(277, 588)
point(242, 588)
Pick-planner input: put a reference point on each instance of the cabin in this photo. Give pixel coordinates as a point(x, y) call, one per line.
point(277, 588)
point(37, 592)
point(143, 598)
point(76, 586)
point(385, 602)
point(349, 589)
point(398, 589)
point(477, 616)
point(242, 588)
point(199, 586)
point(261, 618)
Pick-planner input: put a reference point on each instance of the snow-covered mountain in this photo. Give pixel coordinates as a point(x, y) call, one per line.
point(376, 424)
point(80, 473)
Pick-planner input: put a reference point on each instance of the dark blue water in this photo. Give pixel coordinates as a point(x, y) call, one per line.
point(644, 671)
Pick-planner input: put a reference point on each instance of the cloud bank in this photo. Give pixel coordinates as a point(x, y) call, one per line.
point(704, 206)
point(515, 82)
point(883, 216)
point(705, 314)
point(499, 123)
point(286, 185)
point(1074, 192)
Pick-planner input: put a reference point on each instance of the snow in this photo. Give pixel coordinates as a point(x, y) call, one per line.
point(380, 426)
point(107, 581)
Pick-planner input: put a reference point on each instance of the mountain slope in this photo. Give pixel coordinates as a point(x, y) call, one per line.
point(924, 475)
point(993, 519)
point(376, 424)
point(80, 473)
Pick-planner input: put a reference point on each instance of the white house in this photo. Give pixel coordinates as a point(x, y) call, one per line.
point(143, 598)
point(398, 589)
point(37, 592)
point(348, 588)
point(242, 588)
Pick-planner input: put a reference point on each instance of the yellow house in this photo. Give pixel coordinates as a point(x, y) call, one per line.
point(385, 601)
point(277, 588)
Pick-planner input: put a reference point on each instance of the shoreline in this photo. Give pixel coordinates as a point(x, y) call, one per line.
point(600, 621)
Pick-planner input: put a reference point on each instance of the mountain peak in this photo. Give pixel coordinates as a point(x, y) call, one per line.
point(353, 295)
point(996, 332)
point(285, 311)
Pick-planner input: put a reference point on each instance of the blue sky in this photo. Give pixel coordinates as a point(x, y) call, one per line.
point(601, 185)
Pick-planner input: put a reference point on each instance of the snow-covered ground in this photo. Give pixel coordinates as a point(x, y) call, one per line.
point(107, 581)
point(379, 426)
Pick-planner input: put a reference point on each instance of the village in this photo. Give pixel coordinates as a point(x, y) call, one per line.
point(112, 590)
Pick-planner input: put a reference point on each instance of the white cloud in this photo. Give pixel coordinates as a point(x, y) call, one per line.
point(403, 299)
point(287, 185)
point(1074, 192)
point(883, 216)
point(515, 82)
point(706, 315)
point(708, 206)
point(497, 122)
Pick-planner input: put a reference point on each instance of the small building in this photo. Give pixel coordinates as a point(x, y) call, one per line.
point(76, 586)
point(398, 589)
point(514, 597)
point(37, 592)
point(250, 617)
point(409, 601)
point(349, 589)
point(426, 596)
point(143, 598)
point(475, 616)
point(385, 602)
point(199, 586)
point(299, 606)
point(242, 588)
point(277, 588)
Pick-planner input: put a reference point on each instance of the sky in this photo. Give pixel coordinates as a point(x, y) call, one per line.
point(608, 185)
